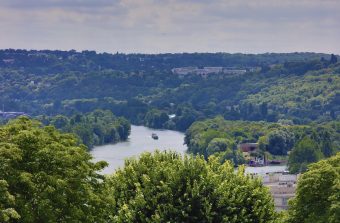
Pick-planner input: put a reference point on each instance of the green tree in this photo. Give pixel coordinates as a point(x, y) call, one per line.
point(318, 194)
point(323, 136)
point(217, 145)
point(233, 155)
point(7, 211)
point(51, 178)
point(94, 128)
point(124, 128)
point(59, 121)
point(165, 187)
point(280, 141)
point(333, 59)
point(306, 151)
point(156, 118)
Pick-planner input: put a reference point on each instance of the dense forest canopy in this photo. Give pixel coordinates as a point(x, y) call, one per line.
point(298, 87)
point(94, 128)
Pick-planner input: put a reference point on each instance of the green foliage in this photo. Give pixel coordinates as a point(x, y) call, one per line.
point(7, 211)
point(156, 119)
point(94, 128)
point(46, 177)
point(318, 194)
point(217, 135)
point(321, 143)
point(232, 155)
point(220, 137)
point(306, 151)
point(298, 87)
point(217, 145)
point(280, 141)
point(301, 98)
point(165, 187)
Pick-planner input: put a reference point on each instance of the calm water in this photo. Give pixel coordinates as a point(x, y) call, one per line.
point(140, 141)
point(265, 169)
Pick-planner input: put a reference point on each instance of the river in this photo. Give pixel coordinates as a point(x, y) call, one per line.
point(140, 141)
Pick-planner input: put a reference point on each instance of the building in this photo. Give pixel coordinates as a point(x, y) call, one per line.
point(203, 72)
point(232, 70)
point(9, 115)
point(248, 147)
point(282, 188)
point(184, 70)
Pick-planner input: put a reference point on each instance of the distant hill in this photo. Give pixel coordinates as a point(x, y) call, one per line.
point(296, 87)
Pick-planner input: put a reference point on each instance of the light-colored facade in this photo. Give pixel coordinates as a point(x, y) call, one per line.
point(182, 71)
point(282, 187)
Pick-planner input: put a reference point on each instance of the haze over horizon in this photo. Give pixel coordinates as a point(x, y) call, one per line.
point(172, 26)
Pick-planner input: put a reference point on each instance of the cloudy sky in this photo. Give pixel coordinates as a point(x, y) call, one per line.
point(150, 26)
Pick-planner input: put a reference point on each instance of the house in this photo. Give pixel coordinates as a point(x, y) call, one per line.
point(248, 147)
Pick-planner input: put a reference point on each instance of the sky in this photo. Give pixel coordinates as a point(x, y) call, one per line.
point(172, 26)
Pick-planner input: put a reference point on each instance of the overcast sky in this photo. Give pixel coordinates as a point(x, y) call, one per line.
point(149, 26)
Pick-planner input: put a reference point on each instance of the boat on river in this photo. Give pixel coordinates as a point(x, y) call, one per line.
point(154, 136)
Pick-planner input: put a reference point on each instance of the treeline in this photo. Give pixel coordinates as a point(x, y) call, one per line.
point(94, 128)
point(45, 176)
point(299, 88)
point(43, 62)
point(304, 143)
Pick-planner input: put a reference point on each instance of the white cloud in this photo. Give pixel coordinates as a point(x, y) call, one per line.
point(172, 25)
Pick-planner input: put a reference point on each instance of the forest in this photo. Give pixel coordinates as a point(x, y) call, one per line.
point(95, 128)
point(296, 87)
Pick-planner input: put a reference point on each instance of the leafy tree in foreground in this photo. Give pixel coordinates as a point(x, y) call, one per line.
point(318, 194)
point(6, 202)
point(46, 176)
point(165, 187)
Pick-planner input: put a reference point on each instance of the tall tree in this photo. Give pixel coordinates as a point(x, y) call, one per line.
point(165, 187)
point(51, 178)
point(318, 194)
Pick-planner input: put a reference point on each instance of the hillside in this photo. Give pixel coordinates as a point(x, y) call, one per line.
point(296, 87)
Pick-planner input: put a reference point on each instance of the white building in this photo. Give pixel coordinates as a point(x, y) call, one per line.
point(282, 187)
